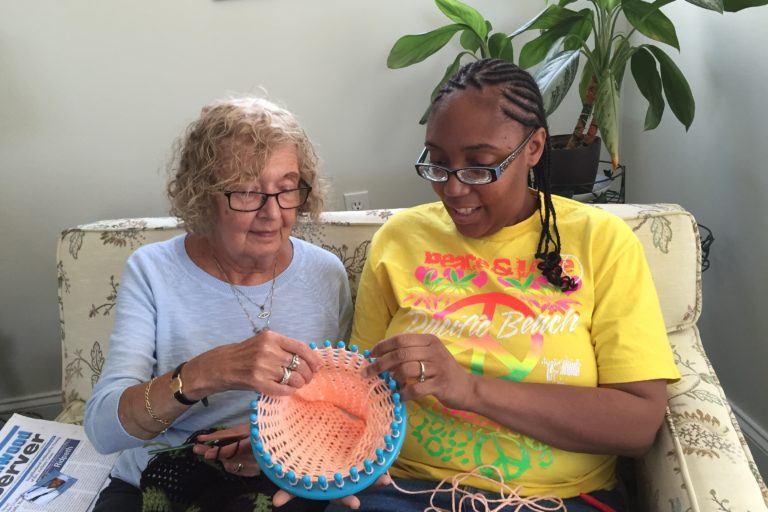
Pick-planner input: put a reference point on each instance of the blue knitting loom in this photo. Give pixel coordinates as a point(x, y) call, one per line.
point(380, 423)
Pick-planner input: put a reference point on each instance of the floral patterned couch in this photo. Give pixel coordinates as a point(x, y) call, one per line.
point(699, 462)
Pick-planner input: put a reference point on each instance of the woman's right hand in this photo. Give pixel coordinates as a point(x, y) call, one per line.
point(255, 364)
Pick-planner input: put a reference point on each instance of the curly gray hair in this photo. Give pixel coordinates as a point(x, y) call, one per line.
point(206, 149)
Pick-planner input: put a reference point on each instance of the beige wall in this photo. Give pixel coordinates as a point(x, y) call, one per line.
point(719, 171)
point(93, 93)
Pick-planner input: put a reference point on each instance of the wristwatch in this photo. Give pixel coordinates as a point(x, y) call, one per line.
point(177, 388)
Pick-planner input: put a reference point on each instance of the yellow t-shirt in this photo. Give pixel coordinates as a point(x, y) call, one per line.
point(488, 303)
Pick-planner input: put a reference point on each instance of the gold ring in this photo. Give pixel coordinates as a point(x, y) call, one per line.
point(294, 362)
point(422, 377)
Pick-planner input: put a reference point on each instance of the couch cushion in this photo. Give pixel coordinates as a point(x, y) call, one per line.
point(670, 237)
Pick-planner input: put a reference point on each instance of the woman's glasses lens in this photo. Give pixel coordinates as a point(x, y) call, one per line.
point(470, 176)
point(252, 201)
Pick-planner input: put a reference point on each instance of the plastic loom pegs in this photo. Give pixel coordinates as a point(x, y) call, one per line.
point(329, 428)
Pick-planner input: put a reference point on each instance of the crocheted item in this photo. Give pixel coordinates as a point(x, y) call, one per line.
point(181, 481)
point(336, 435)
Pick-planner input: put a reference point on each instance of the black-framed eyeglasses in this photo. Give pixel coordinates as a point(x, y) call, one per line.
point(475, 175)
point(247, 201)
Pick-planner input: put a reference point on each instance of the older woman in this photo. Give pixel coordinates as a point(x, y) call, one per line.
point(205, 319)
point(524, 328)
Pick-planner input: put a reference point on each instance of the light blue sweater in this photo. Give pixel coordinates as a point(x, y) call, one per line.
point(169, 310)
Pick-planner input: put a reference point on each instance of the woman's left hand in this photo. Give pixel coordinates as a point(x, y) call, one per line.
point(411, 356)
point(233, 450)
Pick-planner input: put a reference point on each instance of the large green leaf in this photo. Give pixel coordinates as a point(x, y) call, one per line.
point(469, 40)
point(712, 5)
point(621, 55)
point(650, 21)
point(500, 47)
point(461, 13)
point(555, 78)
point(737, 5)
point(649, 82)
point(676, 88)
point(507, 52)
point(607, 115)
point(415, 48)
point(536, 50)
point(529, 23)
point(580, 31)
point(551, 16)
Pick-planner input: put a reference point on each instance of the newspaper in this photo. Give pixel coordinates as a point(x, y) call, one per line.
point(45, 465)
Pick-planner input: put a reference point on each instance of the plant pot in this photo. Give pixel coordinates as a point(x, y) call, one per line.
point(573, 171)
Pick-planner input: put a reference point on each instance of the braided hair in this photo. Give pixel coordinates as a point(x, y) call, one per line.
point(521, 102)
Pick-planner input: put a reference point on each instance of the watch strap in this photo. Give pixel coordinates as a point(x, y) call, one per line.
point(178, 394)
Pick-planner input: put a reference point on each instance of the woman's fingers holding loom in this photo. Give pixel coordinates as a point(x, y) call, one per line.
point(259, 363)
point(308, 358)
point(282, 497)
point(401, 355)
point(411, 371)
point(402, 341)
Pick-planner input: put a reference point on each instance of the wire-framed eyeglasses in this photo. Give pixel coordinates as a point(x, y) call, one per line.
point(475, 175)
point(247, 201)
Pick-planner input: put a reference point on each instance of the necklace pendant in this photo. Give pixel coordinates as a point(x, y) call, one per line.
point(264, 314)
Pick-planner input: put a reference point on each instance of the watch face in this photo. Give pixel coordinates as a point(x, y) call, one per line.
point(176, 386)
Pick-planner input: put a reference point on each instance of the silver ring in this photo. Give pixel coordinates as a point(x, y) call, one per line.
point(294, 362)
point(422, 377)
point(238, 468)
point(286, 375)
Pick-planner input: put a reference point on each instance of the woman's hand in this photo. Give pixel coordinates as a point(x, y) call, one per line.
point(256, 364)
point(405, 355)
point(282, 497)
point(233, 450)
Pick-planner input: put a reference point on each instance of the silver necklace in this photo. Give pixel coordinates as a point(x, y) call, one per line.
point(263, 315)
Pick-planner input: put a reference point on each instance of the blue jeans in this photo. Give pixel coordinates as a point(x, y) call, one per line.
point(386, 499)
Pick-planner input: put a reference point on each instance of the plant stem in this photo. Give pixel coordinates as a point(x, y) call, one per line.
point(586, 111)
point(485, 51)
point(590, 138)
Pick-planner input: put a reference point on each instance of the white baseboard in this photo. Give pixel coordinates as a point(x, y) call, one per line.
point(754, 432)
point(30, 402)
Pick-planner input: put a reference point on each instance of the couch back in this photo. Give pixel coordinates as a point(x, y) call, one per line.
point(91, 258)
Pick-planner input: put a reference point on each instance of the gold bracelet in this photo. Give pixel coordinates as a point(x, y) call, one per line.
point(148, 407)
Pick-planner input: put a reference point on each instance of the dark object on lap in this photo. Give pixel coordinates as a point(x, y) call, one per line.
point(119, 496)
point(181, 481)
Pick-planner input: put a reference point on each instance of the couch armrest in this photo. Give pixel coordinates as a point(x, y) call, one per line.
point(73, 412)
point(700, 461)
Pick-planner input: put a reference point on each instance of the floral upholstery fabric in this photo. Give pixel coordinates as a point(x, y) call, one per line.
point(700, 461)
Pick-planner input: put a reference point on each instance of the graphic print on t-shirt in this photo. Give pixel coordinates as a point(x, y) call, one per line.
point(494, 317)
point(498, 309)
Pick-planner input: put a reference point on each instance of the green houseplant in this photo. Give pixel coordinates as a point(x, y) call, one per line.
point(591, 35)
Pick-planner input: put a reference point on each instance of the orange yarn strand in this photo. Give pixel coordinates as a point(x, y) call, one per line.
point(508, 496)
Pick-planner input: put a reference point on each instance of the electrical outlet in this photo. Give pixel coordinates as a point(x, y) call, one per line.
point(356, 200)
